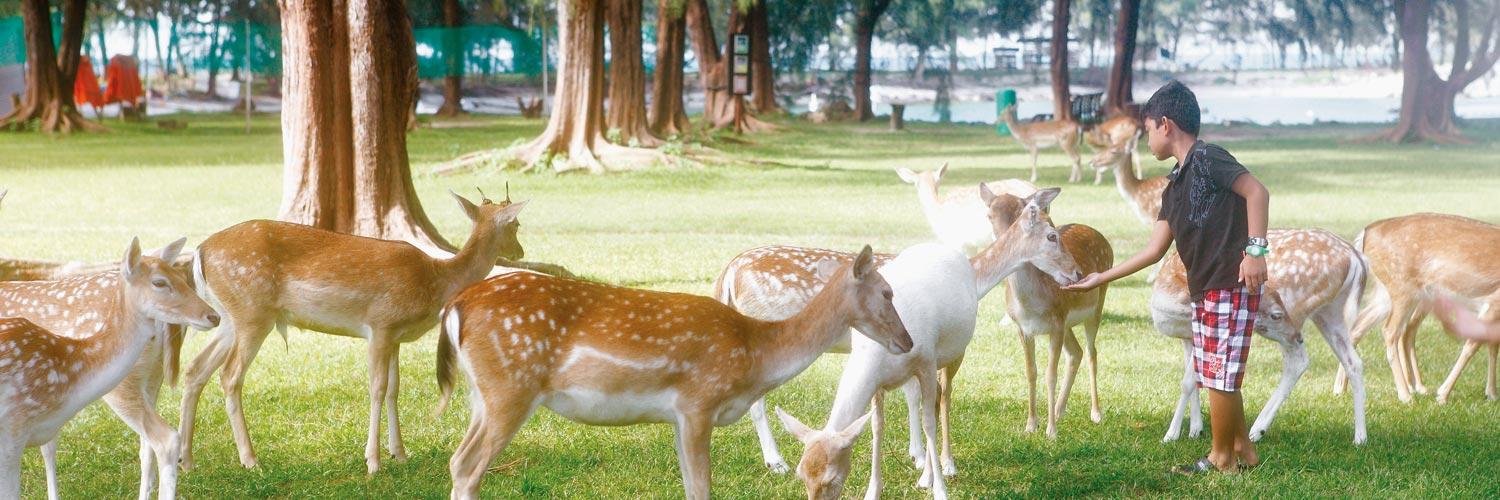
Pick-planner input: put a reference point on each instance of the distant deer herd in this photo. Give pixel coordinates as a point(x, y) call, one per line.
point(608, 355)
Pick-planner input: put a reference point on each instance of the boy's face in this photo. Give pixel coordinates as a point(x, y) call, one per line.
point(1158, 137)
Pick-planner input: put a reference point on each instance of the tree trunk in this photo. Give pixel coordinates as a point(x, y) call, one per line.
point(763, 76)
point(453, 81)
point(668, 115)
point(349, 71)
point(50, 74)
point(1118, 97)
point(627, 74)
point(215, 52)
point(720, 107)
point(866, 14)
point(1060, 88)
point(1427, 100)
point(919, 71)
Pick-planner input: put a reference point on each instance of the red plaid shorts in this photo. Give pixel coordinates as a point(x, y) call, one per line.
point(1222, 322)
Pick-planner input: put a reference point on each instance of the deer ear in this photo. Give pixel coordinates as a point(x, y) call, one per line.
point(906, 175)
point(864, 263)
point(2, 193)
point(1042, 200)
point(469, 209)
point(985, 194)
point(848, 435)
point(132, 259)
point(510, 212)
point(798, 430)
point(826, 269)
point(169, 253)
point(942, 170)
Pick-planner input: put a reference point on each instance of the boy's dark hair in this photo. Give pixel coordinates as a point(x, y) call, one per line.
point(1176, 102)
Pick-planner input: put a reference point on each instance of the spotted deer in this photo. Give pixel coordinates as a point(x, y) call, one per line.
point(266, 273)
point(67, 343)
point(1122, 133)
point(1143, 196)
point(776, 280)
point(1312, 275)
point(1062, 134)
point(1413, 257)
point(605, 355)
point(960, 218)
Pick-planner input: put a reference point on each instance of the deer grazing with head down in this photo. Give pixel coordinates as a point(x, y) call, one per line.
point(1313, 275)
point(266, 274)
point(605, 355)
point(1413, 257)
point(960, 219)
point(67, 343)
point(941, 292)
point(1062, 134)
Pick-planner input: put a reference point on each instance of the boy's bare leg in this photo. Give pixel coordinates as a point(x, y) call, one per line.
point(1231, 437)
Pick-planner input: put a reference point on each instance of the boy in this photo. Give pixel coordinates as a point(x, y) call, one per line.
point(1215, 212)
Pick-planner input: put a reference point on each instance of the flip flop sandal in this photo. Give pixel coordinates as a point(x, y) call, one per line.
point(1199, 467)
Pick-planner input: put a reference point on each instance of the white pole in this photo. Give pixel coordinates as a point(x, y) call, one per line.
point(249, 77)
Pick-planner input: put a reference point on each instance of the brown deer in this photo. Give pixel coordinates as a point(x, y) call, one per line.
point(1313, 275)
point(265, 273)
point(1143, 196)
point(1412, 257)
point(1120, 132)
point(1054, 133)
point(604, 355)
point(67, 343)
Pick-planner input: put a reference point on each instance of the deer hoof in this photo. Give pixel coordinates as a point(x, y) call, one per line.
point(1096, 416)
point(778, 467)
point(949, 468)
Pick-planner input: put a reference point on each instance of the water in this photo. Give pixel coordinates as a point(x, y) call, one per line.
point(1261, 110)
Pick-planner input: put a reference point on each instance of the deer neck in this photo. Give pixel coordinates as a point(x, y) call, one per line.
point(1016, 129)
point(472, 262)
point(108, 355)
point(1126, 181)
point(791, 345)
point(996, 262)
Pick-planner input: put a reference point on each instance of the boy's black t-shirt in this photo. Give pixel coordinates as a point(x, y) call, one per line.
point(1209, 222)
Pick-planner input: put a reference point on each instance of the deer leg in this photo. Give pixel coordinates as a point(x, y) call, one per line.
point(203, 366)
point(914, 447)
point(1293, 364)
point(1489, 385)
point(11, 448)
point(1090, 333)
point(1414, 369)
point(877, 431)
point(1028, 346)
point(1470, 347)
point(1033, 164)
point(694, 435)
point(49, 461)
point(1054, 345)
point(1395, 326)
point(1335, 332)
point(1189, 385)
point(232, 378)
point(931, 477)
point(768, 449)
point(945, 412)
point(382, 344)
point(1075, 358)
point(392, 416)
point(491, 427)
point(133, 402)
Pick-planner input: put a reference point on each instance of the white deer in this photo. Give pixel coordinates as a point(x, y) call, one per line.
point(939, 292)
point(1411, 257)
point(46, 377)
point(960, 218)
point(604, 355)
point(1061, 134)
point(1313, 274)
point(265, 273)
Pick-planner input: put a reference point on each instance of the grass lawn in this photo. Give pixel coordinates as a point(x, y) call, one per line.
point(83, 197)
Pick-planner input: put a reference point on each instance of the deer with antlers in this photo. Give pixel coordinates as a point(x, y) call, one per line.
point(1062, 134)
point(1312, 275)
point(67, 343)
point(605, 355)
point(266, 274)
point(960, 218)
point(1413, 257)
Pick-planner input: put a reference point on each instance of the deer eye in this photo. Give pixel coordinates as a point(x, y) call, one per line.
point(1052, 237)
point(887, 294)
point(1277, 316)
point(159, 283)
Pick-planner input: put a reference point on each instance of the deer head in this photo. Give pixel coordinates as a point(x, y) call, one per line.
point(159, 291)
point(925, 180)
point(497, 220)
point(1026, 227)
point(1110, 157)
point(1273, 321)
point(825, 456)
point(874, 315)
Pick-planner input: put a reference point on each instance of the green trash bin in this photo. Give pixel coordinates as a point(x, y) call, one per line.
point(1003, 98)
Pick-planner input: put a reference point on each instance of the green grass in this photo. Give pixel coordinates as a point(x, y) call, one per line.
point(83, 197)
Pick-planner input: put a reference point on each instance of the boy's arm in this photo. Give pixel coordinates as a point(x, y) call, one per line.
point(1257, 204)
point(1464, 324)
point(1161, 240)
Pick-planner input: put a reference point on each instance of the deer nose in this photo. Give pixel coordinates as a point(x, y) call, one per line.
point(213, 319)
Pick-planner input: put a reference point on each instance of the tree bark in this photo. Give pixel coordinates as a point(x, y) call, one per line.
point(720, 108)
point(627, 74)
point(349, 74)
point(50, 71)
point(453, 82)
point(1118, 97)
point(668, 114)
point(215, 52)
point(1427, 100)
point(763, 75)
point(866, 14)
point(1060, 89)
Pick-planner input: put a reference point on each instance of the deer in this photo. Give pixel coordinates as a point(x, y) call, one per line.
point(940, 312)
point(1120, 132)
point(960, 218)
point(1142, 195)
point(1062, 134)
point(1412, 257)
point(88, 335)
point(605, 355)
point(265, 274)
point(1313, 275)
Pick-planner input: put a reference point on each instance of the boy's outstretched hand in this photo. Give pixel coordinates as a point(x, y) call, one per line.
point(1253, 272)
point(1087, 283)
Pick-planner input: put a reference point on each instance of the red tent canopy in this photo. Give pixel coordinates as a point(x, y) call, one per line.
point(124, 80)
point(86, 85)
